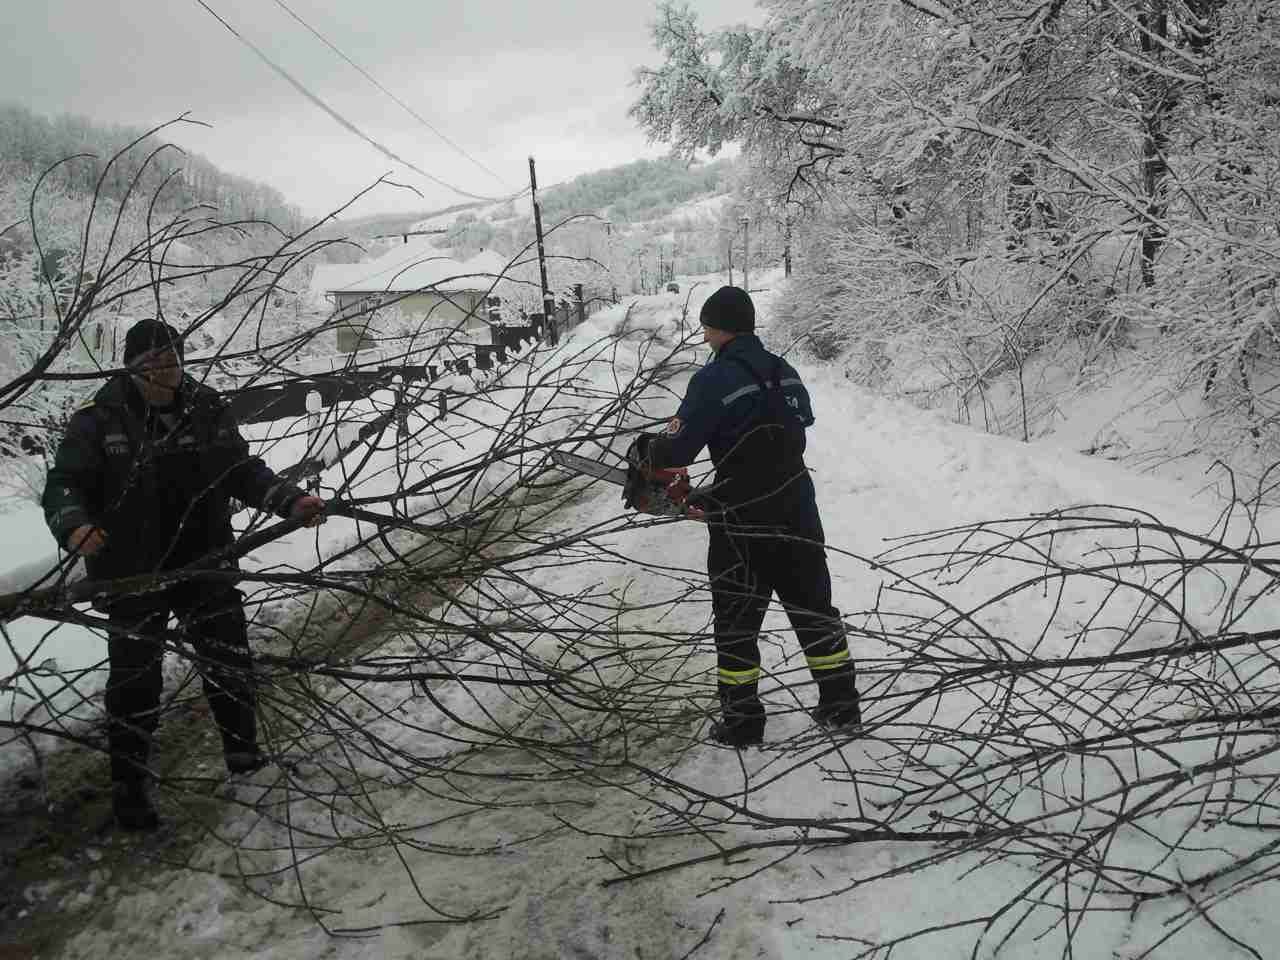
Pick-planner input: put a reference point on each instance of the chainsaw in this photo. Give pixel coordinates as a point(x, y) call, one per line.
point(658, 492)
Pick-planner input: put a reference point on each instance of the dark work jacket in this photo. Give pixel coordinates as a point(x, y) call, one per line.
point(749, 408)
point(163, 500)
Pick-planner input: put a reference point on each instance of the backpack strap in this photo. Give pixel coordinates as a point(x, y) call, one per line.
point(763, 384)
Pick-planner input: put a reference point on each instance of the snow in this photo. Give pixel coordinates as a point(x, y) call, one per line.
point(702, 208)
point(332, 276)
point(524, 838)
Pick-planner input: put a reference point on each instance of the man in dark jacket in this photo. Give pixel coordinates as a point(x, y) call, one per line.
point(142, 483)
point(750, 409)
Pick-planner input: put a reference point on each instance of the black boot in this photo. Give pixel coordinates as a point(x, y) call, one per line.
point(245, 761)
point(741, 722)
point(739, 735)
point(238, 722)
point(838, 707)
point(838, 716)
point(131, 804)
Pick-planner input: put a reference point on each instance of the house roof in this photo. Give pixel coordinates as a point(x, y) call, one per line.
point(333, 276)
point(418, 266)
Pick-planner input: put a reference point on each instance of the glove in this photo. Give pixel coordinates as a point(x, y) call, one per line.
point(678, 488)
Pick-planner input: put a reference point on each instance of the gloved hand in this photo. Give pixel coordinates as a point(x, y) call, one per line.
point(678, 487)
point(660, 492)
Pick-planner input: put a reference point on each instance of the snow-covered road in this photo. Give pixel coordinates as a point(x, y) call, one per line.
point(526, 838)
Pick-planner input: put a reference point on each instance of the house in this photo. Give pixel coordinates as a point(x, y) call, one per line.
point(421, 282)
point(330, 276)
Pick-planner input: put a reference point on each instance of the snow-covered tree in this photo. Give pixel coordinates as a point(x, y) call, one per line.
point(1113, 159)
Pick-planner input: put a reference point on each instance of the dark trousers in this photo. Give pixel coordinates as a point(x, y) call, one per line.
point(745, 572)
point(212, 621)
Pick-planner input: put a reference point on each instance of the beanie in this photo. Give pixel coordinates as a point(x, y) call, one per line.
point(147, 335)
point(729, 309)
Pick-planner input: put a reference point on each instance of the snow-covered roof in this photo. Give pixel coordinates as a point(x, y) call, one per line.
point(418, 266)
point(333, 276)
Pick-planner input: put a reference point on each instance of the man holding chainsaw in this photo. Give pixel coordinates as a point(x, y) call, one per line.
point(750, 409)
point(142, 484)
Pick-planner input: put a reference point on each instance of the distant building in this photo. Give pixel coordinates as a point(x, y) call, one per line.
point(330, 276)
point(418, 280)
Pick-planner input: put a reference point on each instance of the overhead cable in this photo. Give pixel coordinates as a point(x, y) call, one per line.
point(297, 85)
point(365, 73)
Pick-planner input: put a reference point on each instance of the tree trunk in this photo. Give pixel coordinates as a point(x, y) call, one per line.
point(1156, 98)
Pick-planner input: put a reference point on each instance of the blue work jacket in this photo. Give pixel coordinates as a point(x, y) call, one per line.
point(749, 408)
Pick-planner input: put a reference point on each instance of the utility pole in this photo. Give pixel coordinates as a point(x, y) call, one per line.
point(746, 253)
point(548, 305)
point(608, 239)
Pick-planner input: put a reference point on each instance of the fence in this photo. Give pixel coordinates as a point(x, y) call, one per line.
point(309, 397)
point(275, 402)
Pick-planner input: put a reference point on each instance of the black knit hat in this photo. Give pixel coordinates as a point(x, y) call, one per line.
point(150, 334)
point(729, 309)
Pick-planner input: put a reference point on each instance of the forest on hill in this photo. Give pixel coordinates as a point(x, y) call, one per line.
point(638, 191)
point(76, 150)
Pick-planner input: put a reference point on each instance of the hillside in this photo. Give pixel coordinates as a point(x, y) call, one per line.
point(31, 144)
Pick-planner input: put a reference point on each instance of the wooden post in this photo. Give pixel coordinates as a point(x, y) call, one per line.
point(581, 303)
point(746, 253)
point(548, 305)
point(402, 410)
point(495, 319)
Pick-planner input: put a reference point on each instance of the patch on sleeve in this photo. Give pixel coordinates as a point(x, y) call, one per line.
point(674, 427)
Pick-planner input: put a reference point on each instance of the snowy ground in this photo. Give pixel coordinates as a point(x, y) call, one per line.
point(526, 838)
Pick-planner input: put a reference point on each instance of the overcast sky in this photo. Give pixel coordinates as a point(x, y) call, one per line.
point(502, 79)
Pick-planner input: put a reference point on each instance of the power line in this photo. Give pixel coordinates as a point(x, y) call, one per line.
point(408, 109)
point(297, 85)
